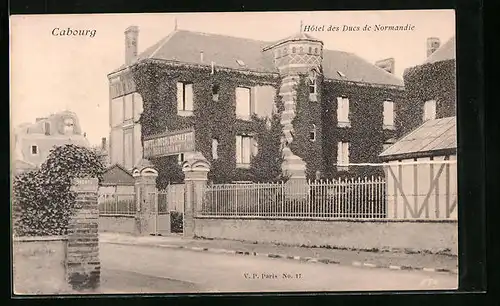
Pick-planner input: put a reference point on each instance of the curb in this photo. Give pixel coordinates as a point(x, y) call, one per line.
point(297, 258)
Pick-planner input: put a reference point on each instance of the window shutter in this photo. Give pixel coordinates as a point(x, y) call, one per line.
point(339, 153)
point(180, 96)
point(346, 153)
point(215, 144)
point(188, 97)
point(340, 111)
point(254, 100)
point(247, 150)
point(346, 109)
point(238, 150)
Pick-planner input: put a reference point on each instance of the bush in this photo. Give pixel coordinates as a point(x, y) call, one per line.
point(42, 201)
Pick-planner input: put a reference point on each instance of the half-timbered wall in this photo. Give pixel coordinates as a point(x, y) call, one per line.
point(422, 191)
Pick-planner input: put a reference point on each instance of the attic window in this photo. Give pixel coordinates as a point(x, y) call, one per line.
point(341, 74)
point(240, 62)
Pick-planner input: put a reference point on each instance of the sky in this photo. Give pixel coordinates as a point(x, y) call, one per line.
point(54, 73)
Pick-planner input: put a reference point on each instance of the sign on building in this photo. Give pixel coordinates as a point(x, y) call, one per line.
point(170, 143)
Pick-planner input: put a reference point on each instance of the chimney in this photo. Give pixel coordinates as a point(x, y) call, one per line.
point(433, 43)
point(201, 56)
point(103, 144)
point(131, 40)
point(387, 64)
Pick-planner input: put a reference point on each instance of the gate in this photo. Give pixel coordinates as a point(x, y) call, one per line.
point(170, 209)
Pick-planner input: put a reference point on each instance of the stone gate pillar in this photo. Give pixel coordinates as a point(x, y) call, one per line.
point(82, 255)
point(145, 190)
point(195, 169)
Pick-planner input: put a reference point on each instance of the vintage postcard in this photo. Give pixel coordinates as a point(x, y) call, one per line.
point(234, 152)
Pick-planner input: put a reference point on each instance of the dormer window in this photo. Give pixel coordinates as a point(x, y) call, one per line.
point(240, 62)
point(68, 126)
point(215, 92)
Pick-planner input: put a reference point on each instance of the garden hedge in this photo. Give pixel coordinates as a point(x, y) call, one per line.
point(42, 201)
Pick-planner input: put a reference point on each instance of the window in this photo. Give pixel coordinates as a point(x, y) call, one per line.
point(312, 133)
point(293, 49)
point(128, 107)
point(180, 158)
point(117, 112)
point(429, 110)
point(312, 86)
point(68, 126)
point(301, 50)
point(285, 51)
point(310, 50)
point(184, 99)
point(46, 128)
point(240, 62)
point(315, 50)
point(388, 115)
point(34, 150)
point(342, 156)
point(128, 147)
point(246, 147)
point(215, 145)
point(243, 103)
point(215, 92)
point(343, 112)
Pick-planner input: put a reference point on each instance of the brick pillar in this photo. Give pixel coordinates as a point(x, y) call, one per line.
point(82, 258)
point(145, 189)
point(195, 170)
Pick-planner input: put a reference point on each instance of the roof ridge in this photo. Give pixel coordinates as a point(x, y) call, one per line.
point(224, 35)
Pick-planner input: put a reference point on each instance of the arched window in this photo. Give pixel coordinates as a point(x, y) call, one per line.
point(310, 50)
point(293, 49)
point(315, 50)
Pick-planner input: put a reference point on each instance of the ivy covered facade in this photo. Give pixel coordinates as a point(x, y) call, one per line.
point(434, 83)
point(294, 89)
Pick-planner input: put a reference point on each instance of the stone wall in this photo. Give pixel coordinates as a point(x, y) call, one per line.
point(117, 224)
point(417, 236)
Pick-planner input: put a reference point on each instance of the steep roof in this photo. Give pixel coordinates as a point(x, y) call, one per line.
point(432, 135)
point(445, 52)
point(185, 46)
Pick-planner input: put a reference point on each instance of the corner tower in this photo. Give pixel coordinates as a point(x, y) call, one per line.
point(295, 56)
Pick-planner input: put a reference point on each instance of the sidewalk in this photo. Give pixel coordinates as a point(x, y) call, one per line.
point(397, 261)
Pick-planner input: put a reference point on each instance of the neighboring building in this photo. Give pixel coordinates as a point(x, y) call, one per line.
point(116, 180)
point(33, 142)
point(423, 188)
point(200, 92)
point(102, 151)
point(430, 87)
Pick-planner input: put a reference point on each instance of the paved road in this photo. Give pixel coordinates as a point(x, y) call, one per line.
point(145, 269)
